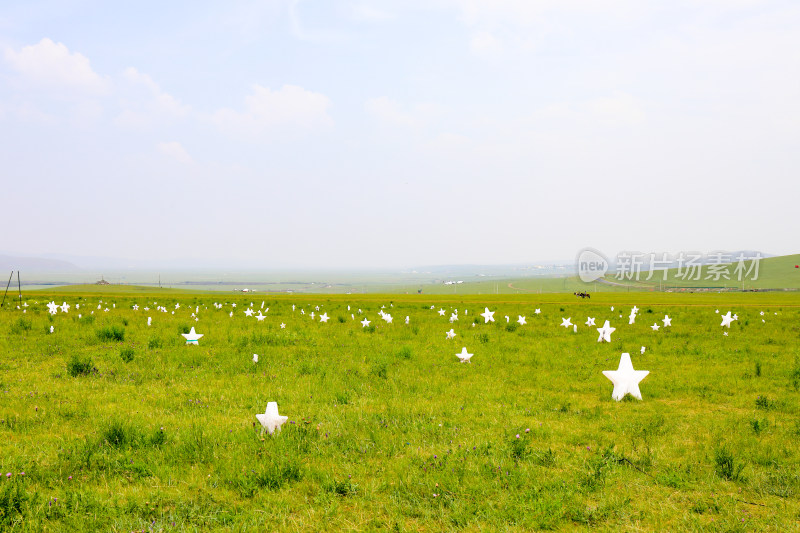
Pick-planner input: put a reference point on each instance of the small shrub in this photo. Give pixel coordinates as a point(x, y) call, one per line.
point(124, 321)
point(758, 426)
point(380, 369)
point(80, 365)
point(154, 343)
point(126, 354)
point(758, 369)
point(21, 325)
point(518, 448)
point(342, 488)
point(111, 333)
point(511, 327)
point(88, 319)
point(483, 338)
point(726, 466)
point(764, 403)
point(404, 353)
point(341, 319)
point(119, 435)
point(13, 500)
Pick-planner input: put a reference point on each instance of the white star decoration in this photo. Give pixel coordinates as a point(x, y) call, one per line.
point(451, 334)
point(488, 316)
point(464, 357)
point(605, 332)
point(655, 326)
point(521, 320)
point(590, 321)
point(192, 337)
point(271, 420)
point(566, 322)
point(364, 323)
point(323, 317)
point(727, 319)
point(625, 378)
point(667, 321)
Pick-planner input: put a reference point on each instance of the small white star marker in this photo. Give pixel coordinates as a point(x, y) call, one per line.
point(521, 320)
point(605, 332)
point(192, 337)
point(537, 311)
point(464, 357)
point(667, 321)
point(365, 322)
point(451, 334)
point(283, 326)
point(488, 316)
point(441, 312)
point(625, 378)
point(248, 311)
point(590, 321)
point(255, 358)
point(655, 327)
point(323, 317)
point(566, 322)
point(727, 319)
point(271, 420)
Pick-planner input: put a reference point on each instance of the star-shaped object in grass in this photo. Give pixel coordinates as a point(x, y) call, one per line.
point(667, 321)
point(441, 312)
point(464, 357)
point(451, 334)
point(271, 420)
point(488, 316)
point(590, 321)
point(521, 320)
point(255, 358)
point(365, 322)
point(566, 322)
point(192, 337)
point(655, 327)
point(260, 317)
point(538, 311)
point(727, 319)
point(248, 311)
point(283, 326)
point(135, 307)
point(323, 317)
point(605, 332)
point(625, 378)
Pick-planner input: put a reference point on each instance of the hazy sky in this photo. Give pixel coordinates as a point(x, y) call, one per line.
point(282, 133)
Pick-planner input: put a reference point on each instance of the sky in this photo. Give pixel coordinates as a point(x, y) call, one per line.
point(396, 133)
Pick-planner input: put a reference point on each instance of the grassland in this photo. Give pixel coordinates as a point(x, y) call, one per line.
point(119, 426)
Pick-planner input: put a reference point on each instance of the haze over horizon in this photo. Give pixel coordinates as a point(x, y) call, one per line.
point(358, 134)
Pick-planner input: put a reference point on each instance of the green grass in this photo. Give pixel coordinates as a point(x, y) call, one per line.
point(131, 429)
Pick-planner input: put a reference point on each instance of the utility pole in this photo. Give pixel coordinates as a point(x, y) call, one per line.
point(7, 286)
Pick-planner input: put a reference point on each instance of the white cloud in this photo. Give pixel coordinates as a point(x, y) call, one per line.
point(176, 151)
point(388, 110)
point(288, 109)
point(52, 65)
point(145, 103)
point(484, 43)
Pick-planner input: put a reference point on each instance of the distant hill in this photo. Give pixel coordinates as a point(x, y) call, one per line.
point(34, 264)
point(777, 272)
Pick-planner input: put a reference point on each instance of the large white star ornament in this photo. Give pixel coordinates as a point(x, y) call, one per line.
point(488, 316)
point(521, 320)
point(667, 321)
point(655, 327)
point(364, 323)
point(192, 337)
point(464, 357)
point(323, 317)
point(271, 420)
point(590, 321)
point(566, 322)
point(625, 378)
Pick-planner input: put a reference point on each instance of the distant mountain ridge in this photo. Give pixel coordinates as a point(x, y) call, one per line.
point(35, 264)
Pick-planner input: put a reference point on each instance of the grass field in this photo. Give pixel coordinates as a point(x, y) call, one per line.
point(120, 426)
